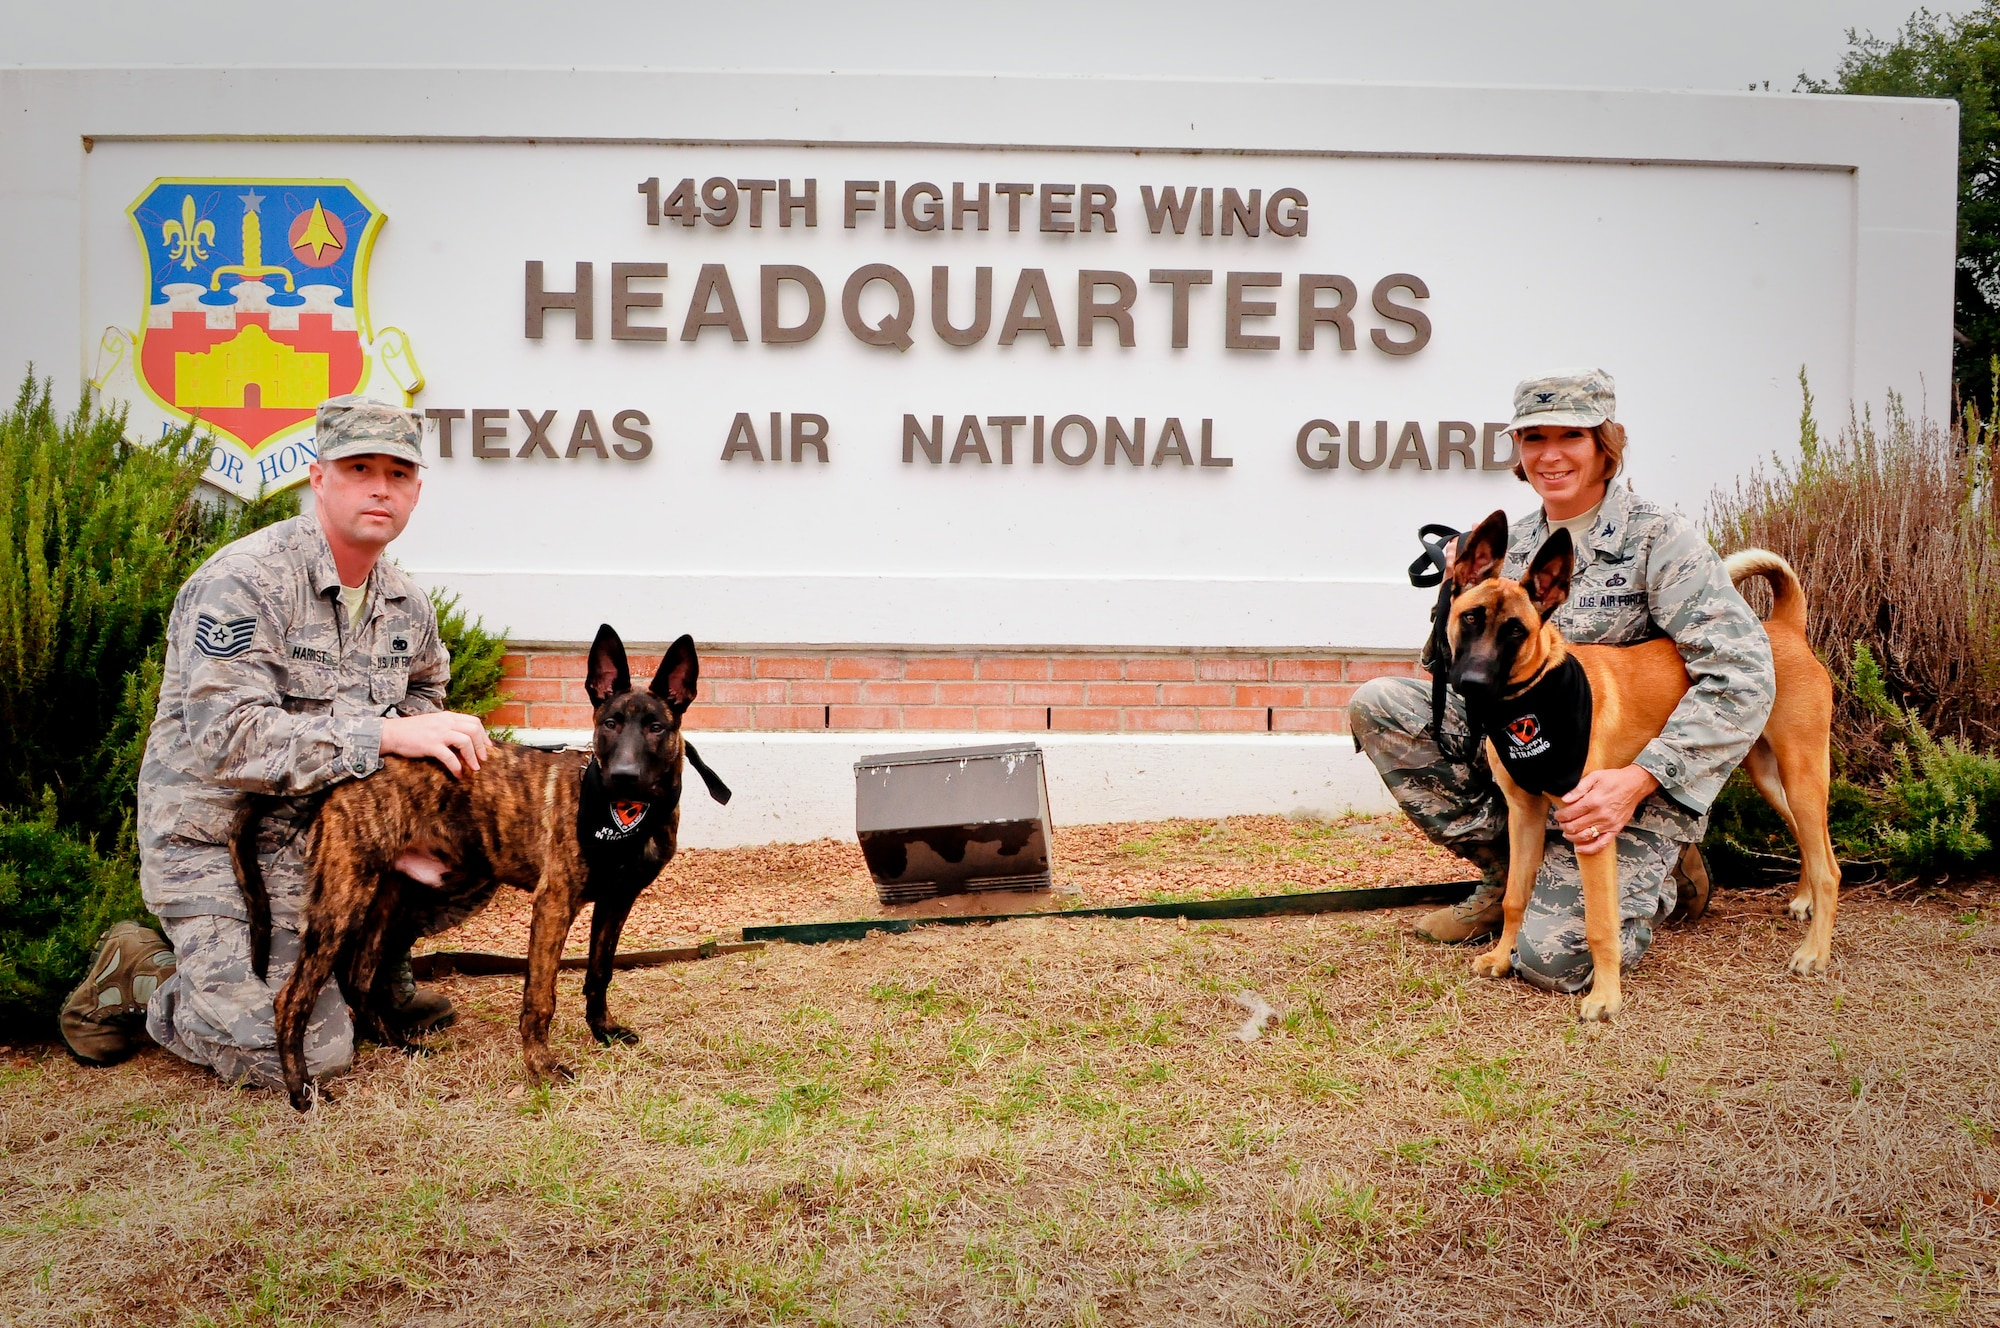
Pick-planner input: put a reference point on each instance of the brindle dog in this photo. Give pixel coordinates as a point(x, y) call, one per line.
point(1502, 642)
point(411, 839)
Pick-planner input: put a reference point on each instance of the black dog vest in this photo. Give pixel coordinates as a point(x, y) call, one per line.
point(1542, 735)
point(613, 832)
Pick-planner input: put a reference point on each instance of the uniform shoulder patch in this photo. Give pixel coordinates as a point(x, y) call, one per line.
point(223, 638)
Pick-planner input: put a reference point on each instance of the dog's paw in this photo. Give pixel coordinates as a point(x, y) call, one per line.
point(1807, 962)
point(1600, 1007)
point(1801, 907)
point(611, 1033)
point(1493, 964)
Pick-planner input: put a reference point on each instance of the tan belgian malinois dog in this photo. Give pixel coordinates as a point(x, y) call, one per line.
point(1502, 644)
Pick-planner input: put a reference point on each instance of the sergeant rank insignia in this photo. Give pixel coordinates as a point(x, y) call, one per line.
point(256, 310)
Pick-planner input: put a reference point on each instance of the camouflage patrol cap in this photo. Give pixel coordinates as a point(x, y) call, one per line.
point(1568, 398)
point(358, 426)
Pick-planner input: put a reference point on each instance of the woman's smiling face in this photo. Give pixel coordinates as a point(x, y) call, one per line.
point(1565, 466)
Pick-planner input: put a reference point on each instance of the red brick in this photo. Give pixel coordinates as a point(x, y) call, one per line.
point(1270, 696)
point(536, 689)
point(899, 693)
point(1083, 668)
point(1012, 717)
point(791, 666)
point(958, 668)
point(1330, 694)
point(743, 691)
point(1227, 669)
point(975, 693)
point(866, 666)
point(1199, 693)
point(1361, 670)
point(1122, 693)
point(709, 717)
point(938, 717)
point(815, 692)
point(1307, 670)
point(1232, 721)
point(507, 715)
point(556, 666)
point(1078, 719)
point(514, 666)
point(1015, 668)
point(1048, 693)
point(867, 717)
point(549, 715)
point(1154, 719)
point(1309, 721)
point(1160, 670)
point(725, 666)
point(790, 717)
point(575, 693)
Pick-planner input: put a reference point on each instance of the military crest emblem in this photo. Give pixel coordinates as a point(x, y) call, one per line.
point(256, 310)
point(1524, 730)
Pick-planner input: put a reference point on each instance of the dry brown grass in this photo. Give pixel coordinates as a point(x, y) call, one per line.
point(1894, 529)
point(1050, 1123)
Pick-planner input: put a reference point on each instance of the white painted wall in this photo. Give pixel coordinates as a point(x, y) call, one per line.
point(790, 787)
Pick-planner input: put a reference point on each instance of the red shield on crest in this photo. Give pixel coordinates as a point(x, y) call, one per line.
point(1524, 730)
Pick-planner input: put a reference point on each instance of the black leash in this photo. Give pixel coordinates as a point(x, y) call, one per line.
point(716, 788)
point(1427, 569)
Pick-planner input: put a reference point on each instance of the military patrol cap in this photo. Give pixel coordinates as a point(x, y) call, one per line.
point(358, 426)
point(1568, 398)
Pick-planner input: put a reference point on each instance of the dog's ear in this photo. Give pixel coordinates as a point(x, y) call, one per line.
point(606, 675)
point(1480, 553)
point(1547, 582)
point(680, 670)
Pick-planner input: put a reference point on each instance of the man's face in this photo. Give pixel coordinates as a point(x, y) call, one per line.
point(366, 500)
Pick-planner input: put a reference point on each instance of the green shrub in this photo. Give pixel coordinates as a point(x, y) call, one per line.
point(96, 535)
point(475, 658)
point(57, 894)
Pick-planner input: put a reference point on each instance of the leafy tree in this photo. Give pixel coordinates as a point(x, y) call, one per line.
point(1957, 58)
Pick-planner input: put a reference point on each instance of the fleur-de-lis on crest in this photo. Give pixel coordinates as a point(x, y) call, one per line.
point(188, 238)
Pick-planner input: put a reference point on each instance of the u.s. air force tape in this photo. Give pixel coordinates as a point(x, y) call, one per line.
point(223, 639)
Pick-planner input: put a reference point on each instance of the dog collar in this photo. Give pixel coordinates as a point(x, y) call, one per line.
point(1541, 732)
point(604, 822)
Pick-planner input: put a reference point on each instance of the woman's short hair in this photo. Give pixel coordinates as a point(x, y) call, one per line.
point(1610, 446)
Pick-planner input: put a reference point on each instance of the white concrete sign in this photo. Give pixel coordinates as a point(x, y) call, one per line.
point(871, 370)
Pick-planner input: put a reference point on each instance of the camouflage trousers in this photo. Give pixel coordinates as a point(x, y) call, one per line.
point(215, 1011)
point(1456, 803)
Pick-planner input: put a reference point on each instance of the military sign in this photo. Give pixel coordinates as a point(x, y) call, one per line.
point(256, 311)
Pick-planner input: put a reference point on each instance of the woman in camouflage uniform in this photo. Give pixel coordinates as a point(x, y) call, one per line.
point(1642, 571)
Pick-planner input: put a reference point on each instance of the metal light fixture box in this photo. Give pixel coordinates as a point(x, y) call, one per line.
point(952, 819)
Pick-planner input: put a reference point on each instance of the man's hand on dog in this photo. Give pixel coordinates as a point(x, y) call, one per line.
point(453, 741)
point(1600, 806)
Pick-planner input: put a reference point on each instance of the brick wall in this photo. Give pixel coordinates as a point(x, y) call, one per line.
point(1010, 691)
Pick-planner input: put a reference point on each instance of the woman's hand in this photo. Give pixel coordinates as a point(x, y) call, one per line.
point(1601, 805)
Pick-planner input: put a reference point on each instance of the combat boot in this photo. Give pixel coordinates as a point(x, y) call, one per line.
point(408, 1009)
point(104, 1019)
point(1473, 919)
point(1691, 886)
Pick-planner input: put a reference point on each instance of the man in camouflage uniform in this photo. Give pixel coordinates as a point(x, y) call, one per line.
point(296, 657)
point(1642, 571)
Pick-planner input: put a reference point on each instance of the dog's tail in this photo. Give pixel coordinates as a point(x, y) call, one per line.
point(1788, 597)
point(250, 877)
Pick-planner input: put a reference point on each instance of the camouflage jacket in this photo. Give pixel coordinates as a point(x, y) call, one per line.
point(266, 690)
point(1642, 572)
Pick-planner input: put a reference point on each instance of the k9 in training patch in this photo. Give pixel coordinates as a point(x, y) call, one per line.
point(1542, 735)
